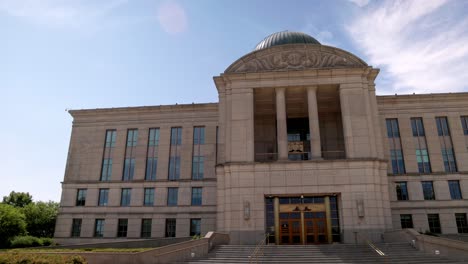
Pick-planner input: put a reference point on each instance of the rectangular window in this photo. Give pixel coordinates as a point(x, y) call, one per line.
point(172, 196)
point(462, 224)
point(195, 227)
point(152, 154)
point(130, 149)
point(434, 223)
point(422, 156)
point(106, 171)
point(428, 190)
point(149, 197)
point(146, 228)
point(122, 228)
point(125, 197)
point(197, 157)
point(76, 228)
point(197, 196)
point(81, 197)
point(455, 191)
point(176, 136)
point(197, 167)
point(198, 135)
point(103, 197)
point(406, 221)
point(170, 227)
point(402, 191)
point(99, 227)
point(446, 146)
point(464, 121)
point(174, 155)
point(174, 168)
point(394, 141)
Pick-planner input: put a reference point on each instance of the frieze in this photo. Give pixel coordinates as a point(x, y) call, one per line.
point(295, 58)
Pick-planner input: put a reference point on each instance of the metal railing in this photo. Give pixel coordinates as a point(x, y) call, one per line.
point(259, 249)
point(369, 243)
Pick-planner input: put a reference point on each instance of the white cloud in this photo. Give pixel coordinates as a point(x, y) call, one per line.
point(421, 45)
point(172, 17)
point(360, 3)
point(59, 13)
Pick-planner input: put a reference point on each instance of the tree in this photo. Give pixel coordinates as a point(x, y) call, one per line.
point(17, 199)
point(40, 218)
point(12, 223)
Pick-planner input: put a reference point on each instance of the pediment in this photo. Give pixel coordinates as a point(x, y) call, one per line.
point(295, 57)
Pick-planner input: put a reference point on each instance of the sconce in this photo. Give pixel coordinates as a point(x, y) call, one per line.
point(246, 210)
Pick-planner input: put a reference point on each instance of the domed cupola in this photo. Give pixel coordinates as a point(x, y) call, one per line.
point(285, 37)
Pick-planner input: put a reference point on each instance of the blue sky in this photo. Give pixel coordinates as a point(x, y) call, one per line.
point(62, 54)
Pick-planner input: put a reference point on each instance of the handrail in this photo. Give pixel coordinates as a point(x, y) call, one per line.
point(372, 246)
point(259, 249)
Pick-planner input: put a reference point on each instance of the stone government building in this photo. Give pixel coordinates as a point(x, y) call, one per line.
point(299, 147)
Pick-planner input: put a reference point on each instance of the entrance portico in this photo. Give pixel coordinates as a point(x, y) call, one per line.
point(298, 122)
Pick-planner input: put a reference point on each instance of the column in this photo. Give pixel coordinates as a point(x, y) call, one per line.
point(281, 126)
point(277, 220)
point(347, 126)
point(314, 127)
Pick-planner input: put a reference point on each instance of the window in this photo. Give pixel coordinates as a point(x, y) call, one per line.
point(172, 196)
point(176, 136)
point(455, 191)
point(174, 155)
point(122, 228)
point(434, 223)
point(106, 172)
point(170, 227)
point(198, 135)
point(422, 156)
point(195, 227)
point(197, 157)
point(99, 228)
point(152, 154)
point(81, 197)
point(396, 152)
point(197, 196)
point(464, 121)
point(149, 197)
point(406, 221)
point(174, 168)
point(445, 140)
point(462, 224)
point(125, 197)
point(129, 163)
point(103, 197)
point(197, 167)
point(109, 144)
point(428, 190)
point(146, 228)
point(401, 191)
point(76, 228)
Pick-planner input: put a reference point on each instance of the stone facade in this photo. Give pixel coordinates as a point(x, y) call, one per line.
point(270, 100)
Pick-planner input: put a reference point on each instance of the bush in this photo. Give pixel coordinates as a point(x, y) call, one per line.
point(47, 241)
point(12, 224)
point(28, 258)
point(26, 241)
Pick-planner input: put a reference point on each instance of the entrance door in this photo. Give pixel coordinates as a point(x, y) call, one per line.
point(290, 228)
point(315, 227)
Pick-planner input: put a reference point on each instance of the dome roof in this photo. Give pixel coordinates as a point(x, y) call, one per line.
point(285, 37)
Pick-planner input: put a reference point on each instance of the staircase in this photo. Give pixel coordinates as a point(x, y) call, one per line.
point(334, 253)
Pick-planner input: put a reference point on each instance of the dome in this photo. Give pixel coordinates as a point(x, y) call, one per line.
point(285, 37)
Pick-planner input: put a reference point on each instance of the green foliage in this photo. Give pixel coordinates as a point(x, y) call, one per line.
point(17, 199)
point(31, 258)
point(47, 241)
point(40, 218)
point(26, 241)
point(12, 223)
